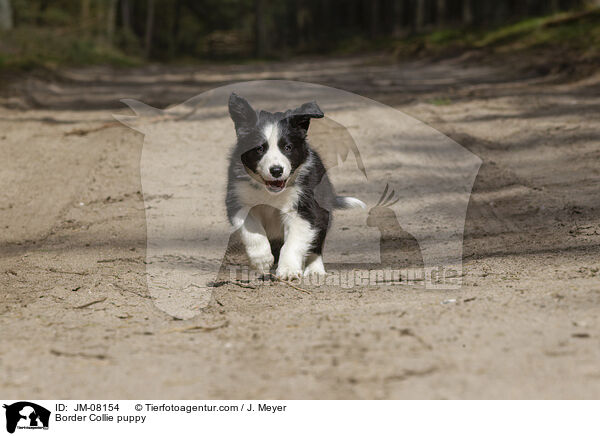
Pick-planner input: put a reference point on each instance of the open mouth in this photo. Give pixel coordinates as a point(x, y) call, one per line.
point(275, 185)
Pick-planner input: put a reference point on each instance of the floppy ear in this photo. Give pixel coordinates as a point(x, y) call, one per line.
point(301, 116)
point(241, 112)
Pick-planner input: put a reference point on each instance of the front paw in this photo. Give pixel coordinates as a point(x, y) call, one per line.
point(262, 262)
point(315, 269)
point(288, 272)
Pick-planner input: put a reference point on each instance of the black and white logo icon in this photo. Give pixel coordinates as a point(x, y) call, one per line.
point(26, 415)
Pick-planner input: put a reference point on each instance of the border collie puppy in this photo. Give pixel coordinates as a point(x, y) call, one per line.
point(278, 195)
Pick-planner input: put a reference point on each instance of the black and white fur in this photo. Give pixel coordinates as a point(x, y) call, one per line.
point(278, 193)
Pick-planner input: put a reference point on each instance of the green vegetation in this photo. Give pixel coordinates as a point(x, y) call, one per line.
point(578, 31)
point(27, 48)
point(440, 101)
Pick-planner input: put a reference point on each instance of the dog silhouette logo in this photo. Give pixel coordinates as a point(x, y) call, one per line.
point(417, 223)
point(26, 415)
point(394, 240)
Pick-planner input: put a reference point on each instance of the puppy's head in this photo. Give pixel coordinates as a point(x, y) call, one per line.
point(272, 146)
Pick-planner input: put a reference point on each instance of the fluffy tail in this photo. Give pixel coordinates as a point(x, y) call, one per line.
point(348, 203)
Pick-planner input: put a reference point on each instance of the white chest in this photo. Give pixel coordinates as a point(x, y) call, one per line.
point(251, 193)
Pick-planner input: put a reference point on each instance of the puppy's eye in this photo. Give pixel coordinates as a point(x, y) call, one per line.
point(260, 149)
point(288, 147)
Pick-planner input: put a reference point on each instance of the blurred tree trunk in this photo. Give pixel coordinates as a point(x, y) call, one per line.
point(84, 16)
point(419, 15)
point(467, 12)
point(6, 18)
point(125, 15)
point(42, 9)
point(374, 18)
point(85, 12)
point(397, 14)
point(522, 8)
point(111, 19)
point(441, 13)
point(303, 23)
point(175, 29)
point(260, 28)
point(149, 28)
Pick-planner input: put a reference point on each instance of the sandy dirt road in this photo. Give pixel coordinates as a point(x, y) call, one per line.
point(77, 320)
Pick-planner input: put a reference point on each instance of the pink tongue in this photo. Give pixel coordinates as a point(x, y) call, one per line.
point(277, 183)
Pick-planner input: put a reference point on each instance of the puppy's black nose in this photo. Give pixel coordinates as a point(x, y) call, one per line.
point(276, 171)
